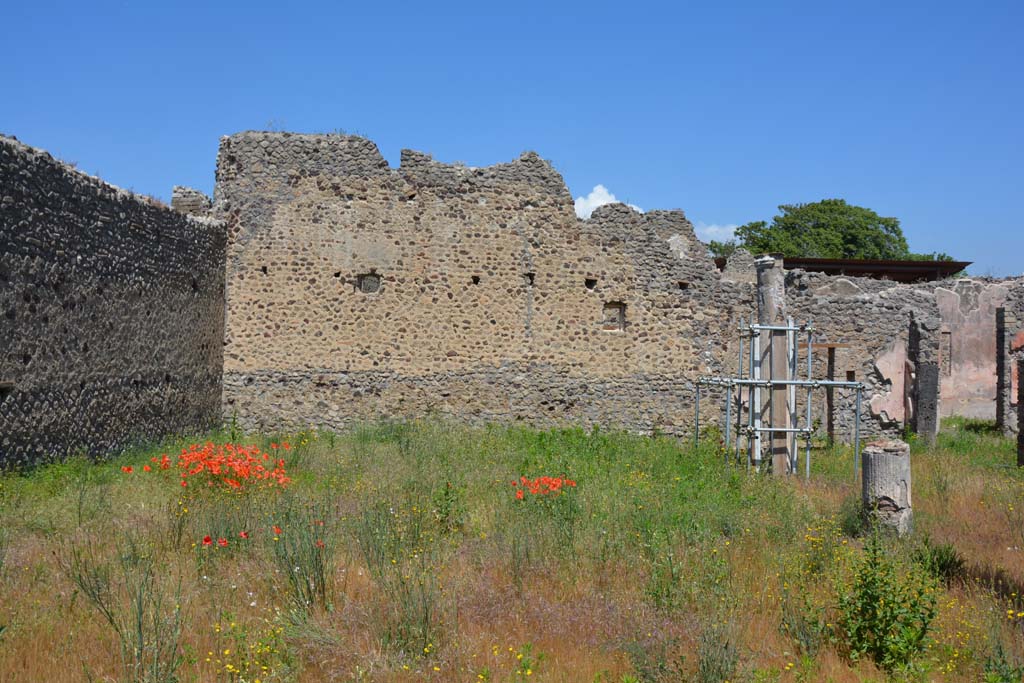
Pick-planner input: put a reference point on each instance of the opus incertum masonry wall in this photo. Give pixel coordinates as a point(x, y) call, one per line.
point(357, 291)
point(322, 287)
point(111, 313)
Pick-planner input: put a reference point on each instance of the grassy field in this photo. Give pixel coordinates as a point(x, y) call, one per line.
point(429, 551)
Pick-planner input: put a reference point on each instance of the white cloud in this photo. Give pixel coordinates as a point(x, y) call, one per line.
point(599, 196)
point(707, 232)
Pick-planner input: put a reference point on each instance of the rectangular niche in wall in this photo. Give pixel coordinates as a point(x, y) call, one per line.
point(368, 283)
point(614, 316)
point(946, 352)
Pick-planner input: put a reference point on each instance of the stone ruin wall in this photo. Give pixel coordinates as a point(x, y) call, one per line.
point(491, 300)
point(358, 292)
point(111, 313)
point(955, 324)
point(872, 319)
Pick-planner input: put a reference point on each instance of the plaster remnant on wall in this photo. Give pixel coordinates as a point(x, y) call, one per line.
point(889, 404)
point(840, 286)
point(968, 310)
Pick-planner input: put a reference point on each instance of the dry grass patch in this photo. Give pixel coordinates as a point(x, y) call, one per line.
point(405, 552)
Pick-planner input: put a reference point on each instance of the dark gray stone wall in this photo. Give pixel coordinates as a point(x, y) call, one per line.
point(111, 313)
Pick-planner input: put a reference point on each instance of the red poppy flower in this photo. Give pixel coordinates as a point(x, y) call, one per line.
point(127, 469)
point(207, 540)
point(519, 494)
point(146, 468)
point(277, 530)
point(222, 542)
point(319, 544)
point(243, 534)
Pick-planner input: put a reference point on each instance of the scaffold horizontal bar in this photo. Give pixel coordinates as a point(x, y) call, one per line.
point(782, 328)
point(769, 383)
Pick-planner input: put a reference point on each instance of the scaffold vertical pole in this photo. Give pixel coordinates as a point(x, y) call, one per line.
point(728, 420)
point(856, 437)
point(739, 400)
point(756, 344)
point(810, 390)
point(696, 420)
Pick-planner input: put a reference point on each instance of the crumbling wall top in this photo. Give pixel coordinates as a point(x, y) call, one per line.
point(83, 185)
point(261, 159)
point(190, 201)
point(739, 267)
point(529, 170)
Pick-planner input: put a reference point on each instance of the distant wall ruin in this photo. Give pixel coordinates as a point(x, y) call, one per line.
point(491, 300)
point(112, 313)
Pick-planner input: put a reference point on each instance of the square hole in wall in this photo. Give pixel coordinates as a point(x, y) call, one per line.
point(368, 283)
point(475, 279)
point(6, 389)
point(590, 283)
point(614, 316)
point(683, 285)
point(851, 375)
point(530, 277)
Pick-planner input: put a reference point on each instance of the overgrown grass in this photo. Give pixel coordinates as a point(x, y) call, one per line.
point(400, 552)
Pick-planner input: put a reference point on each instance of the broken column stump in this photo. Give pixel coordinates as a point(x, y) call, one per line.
point(886, 485)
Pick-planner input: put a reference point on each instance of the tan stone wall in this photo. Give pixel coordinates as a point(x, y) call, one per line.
point(492, 297)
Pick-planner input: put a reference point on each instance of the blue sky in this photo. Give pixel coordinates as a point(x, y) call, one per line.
point(725, 110)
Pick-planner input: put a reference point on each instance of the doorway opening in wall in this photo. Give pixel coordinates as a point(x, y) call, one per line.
point(614, 317)
point(851, 375)
point(6, 389)
point(683, 285)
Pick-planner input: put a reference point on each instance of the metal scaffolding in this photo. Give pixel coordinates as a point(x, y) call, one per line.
point(755, 383)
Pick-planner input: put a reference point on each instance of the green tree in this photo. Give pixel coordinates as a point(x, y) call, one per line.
point(830, 228)
point(722, 249)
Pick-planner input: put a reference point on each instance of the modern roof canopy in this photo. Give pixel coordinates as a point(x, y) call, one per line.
point(897, 271)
